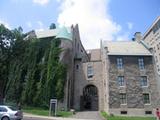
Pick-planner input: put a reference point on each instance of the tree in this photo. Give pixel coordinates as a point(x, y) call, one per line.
point(6, 42)
point(17, 69)
point(30, 72)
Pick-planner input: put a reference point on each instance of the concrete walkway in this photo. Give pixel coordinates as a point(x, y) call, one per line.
point(85, 115)
point(92, 115)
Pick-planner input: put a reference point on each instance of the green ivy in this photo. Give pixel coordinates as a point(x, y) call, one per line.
point(34, 74)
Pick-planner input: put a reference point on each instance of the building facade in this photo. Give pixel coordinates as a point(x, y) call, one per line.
point(152, 38)
point(119, 77)
point(130, 83)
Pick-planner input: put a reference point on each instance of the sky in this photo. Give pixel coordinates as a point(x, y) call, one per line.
point(110, 20)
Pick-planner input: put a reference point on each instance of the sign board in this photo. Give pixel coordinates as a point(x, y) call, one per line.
point(53, 107)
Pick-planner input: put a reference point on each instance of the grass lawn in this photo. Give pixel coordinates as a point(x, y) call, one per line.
point(43, 112)
point(104, 114)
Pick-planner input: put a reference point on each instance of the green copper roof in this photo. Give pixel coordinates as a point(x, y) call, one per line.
point(64, 33)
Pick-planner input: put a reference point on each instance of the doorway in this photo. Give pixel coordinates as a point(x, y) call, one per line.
point(89, 100)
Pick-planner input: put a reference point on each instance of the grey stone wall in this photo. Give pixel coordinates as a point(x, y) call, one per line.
point(72, 51)
point(133, 89)
point(81, 81)
point(133, 112)
point(78, 50)
point(66, 57)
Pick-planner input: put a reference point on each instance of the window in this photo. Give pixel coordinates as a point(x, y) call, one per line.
point(123, 98)
point(146, 99)
point(121, 81)
point(156, 27)
point(123, 112)
point(143, 81)
point(148, 112)
point(141, 63)
point(77, 67)
point(2, 109)
point(90, 71)
point(119, 63)
point(13, 108)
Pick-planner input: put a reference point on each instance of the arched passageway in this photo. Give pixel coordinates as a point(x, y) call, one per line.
point(89, 100)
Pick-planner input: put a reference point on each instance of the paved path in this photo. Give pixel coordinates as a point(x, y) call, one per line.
point(86, 115)
point(92, 115)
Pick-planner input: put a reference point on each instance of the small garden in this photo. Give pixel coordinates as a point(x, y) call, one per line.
point(105, 115)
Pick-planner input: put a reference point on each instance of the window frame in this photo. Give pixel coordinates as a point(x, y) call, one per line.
point(149, 99)
point(143, 81)
point(90, 72)
point(141, 64)
point(123, 100)
point(120, 80)
point(120, 63)
point(3, 109)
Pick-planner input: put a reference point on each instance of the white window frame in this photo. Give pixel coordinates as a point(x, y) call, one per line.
point(90, 71)
point(125, 99)
point(141, 77)
point(141, 64)
point(149, 99)
point(119, 63)
point(119, 78)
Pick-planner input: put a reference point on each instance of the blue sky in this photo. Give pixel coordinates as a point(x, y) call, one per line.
point(141, 13)
point(97, 19)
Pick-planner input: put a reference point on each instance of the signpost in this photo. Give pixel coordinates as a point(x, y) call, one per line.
point(53, 107)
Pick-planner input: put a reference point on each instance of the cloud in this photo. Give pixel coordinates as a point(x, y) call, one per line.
point(41, 2)
point(40, 26)
point(6, 24)
point(123, 37)
point(29, 24)
point(93, 18)
point(130, 25)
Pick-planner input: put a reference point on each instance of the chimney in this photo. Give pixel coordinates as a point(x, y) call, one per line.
point(137, 36)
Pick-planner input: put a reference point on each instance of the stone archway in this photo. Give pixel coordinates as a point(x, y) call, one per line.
point(89, 100)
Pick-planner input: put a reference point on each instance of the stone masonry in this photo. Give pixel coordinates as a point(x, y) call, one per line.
point(133, 89)
point(91, 82)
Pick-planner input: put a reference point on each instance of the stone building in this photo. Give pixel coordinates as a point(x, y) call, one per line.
point(118, 78)
point(152, 38)
point(72, 52)
point(129, 79)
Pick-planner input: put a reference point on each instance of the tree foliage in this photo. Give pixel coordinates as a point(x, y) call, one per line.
point(33, 72)
point(6, 41)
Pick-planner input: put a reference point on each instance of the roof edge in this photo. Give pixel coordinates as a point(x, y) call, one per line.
point(148, 30)
point(116, 54)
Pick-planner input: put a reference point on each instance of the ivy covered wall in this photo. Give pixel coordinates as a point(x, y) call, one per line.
point(34, 73)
